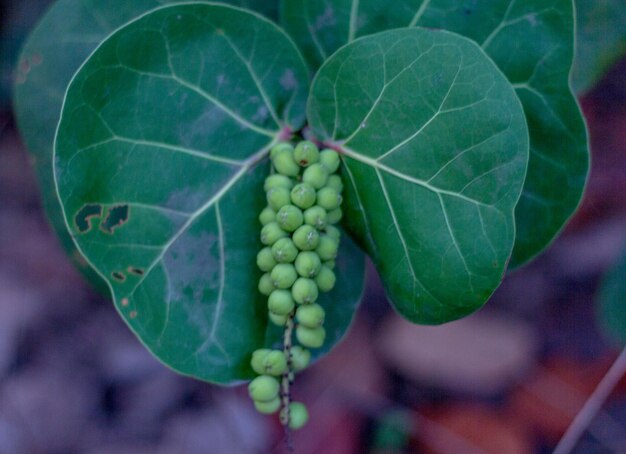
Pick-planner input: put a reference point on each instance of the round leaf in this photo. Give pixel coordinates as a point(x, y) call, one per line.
point(435, 149)
point(160, 157)
point(532, 42)
point(55, 49)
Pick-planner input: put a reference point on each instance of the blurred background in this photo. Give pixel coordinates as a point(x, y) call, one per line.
point(509, 379)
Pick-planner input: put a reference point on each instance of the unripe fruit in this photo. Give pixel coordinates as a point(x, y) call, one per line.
point(315, 175)
point(306, 153)
point(328, 198)
point(308, 263)
point(298, 415)
point(329, 264)
point(289, 218)
point(306, 238)
point(316, 216)
point(278, 320)
point(333, 231)
point(279, 147)
point(258, 359)
point(303, 195)
point(277, 181)
point(330, 159)
point(327, 248)
point(335, 216)
point(300, 357)
point(267, 215)
point(270, 233)
point(280, 302)
point(264, 260)
point(273, 362)
point(334, 181)
point(325, 279)
point(304, 291)
point(285, 164)
point(284, 251)
point(283, 275)
point(310, 315)
point(278, 198)
point(311, 337)
point(263, 388)
point(265, 284)
point(268, 408)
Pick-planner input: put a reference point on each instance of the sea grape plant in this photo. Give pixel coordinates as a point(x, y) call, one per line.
point(187, 154)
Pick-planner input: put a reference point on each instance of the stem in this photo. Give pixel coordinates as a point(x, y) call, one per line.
point(592, 406)
point(286, 381)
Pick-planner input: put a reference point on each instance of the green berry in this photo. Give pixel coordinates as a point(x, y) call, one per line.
point(283, 275)
point(277, 181)
point(310, 315)
point(300, 357)
point(279, 147)
point(280, 302)
point(267, 215)
point(308, 263)
point(333, 231)
point(327, 248)
point(268, 408)
point(334, 181)
point(270, 233)
point(335, 216)
point(278, 198)
point(315, 216)
point(263, 388)
point(303, 195)
point(284, 251)
point(325, 279)
point(285, 164)
point(330, 159)
point(316, 175)
point(264, 259)
point(298, 415)
point(258, 360)
point(306, 238)
point(311, 337)
point(278, 320)
point(330, 264)
point(328, 198)
point(306, 153)
point(269, 362)
point(265, 284)
point(304, 291)
point(289, 218)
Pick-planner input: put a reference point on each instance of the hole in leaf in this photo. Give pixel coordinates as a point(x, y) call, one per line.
point(116, 217)
point(118, 276)
point(135, 271)
point(85, 215)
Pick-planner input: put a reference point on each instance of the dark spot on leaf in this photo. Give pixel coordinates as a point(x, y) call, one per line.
point(135, 271)
point(116, 217)
point(118, 276)
point(25, 66)
point(85, 215)
point(133, 314)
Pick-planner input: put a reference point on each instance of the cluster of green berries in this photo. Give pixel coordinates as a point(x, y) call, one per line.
point(300, 246)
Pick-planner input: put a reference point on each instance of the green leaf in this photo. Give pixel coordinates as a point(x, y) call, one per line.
point(435, 149)
point(532, 43)
point(160, 158)
point(56, 48)
point(600, 40)
point(612, 307)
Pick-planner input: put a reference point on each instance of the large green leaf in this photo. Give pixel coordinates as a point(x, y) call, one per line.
point(435, 148)
point(160, 157)
point(600, 40)
point(532, 41)
point(612, 307)
point(56, 48)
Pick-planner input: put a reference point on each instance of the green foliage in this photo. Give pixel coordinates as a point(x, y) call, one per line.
point(612, 307)
point(461, 151)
